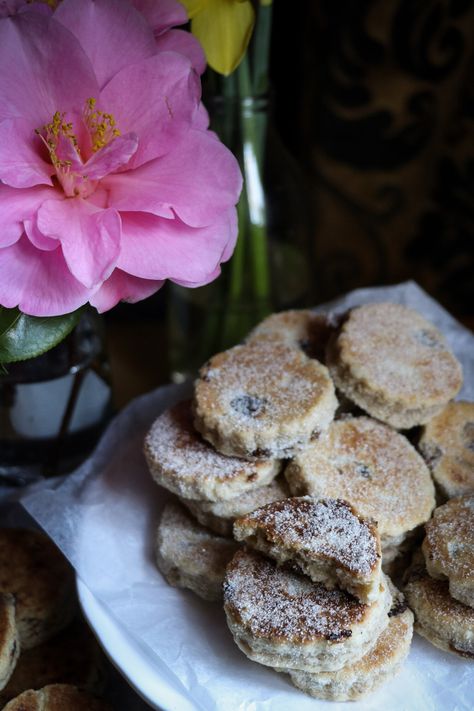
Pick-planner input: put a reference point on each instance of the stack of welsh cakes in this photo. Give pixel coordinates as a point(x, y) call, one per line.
point(296, 482)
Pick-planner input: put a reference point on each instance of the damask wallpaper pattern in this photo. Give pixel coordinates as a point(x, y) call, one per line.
point(379, 107)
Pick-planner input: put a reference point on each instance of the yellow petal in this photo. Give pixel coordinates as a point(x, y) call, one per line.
point(224, 28)
point(193, 6)
point(262, 2)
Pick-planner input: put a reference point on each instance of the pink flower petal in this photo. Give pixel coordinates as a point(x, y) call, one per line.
point(90, 238)
point(155, 248)
point(195, 284)
point(39, 283)
point(112, 32)
point(161, 93)
point(21, 164)
point(184, 43)
point(123, 287)
point(196, 180)
point(162, 15)
point(17, 205)
point(44, 69)
point(37, 238)
point(111, 157)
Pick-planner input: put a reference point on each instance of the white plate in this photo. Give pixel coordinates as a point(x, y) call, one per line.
point(126, 654)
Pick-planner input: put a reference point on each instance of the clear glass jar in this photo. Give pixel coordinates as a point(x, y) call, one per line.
point(270, 268)
point(54, 407)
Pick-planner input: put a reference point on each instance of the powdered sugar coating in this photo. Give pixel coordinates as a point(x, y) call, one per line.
point(440, 618)
point(190, 556)
point(327, 529)
point(394, 364)
point(278, 604)
point(356, 680)
point(299, 328)
point(447, 444)
point(180, 460)
point(262, 399)
point(372, 467)
point(449, 546)
point(220, 515)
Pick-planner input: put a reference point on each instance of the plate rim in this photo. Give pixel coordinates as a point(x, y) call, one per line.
point(127, 657)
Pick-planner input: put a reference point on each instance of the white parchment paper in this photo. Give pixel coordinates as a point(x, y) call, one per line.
point(104, 517)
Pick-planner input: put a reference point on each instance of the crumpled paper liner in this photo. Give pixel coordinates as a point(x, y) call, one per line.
point(104, 517)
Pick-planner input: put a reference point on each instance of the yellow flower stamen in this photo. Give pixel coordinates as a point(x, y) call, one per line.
point(101, 125)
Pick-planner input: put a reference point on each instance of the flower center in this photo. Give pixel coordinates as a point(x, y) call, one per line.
point(68, 154)
point(102, 126)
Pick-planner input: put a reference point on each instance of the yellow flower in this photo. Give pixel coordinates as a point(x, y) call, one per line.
point(224, 28)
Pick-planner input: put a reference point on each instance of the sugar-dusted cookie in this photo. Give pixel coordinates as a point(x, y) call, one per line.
point(282, 619)
point(449, 547)
point(373, 467)
point(181, 461)
point(380, 664)
point(299, 328)
point(447, 444)
point(39, 577)
point(9, 641)
point(71, 657)
point(444, 621)
point(394, 364)
point(189, 556)
point(265, 399)
point(326, 538)
point(57, 697)
point(219, 516)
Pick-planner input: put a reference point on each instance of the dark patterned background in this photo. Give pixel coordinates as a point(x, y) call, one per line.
point(375, 97)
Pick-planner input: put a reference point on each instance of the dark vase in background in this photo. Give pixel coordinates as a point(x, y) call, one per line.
point(54, 407)
point(270, 268)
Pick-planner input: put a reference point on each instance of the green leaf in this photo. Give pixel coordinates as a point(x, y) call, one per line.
point(23, 336)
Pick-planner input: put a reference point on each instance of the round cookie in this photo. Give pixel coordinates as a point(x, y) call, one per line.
point(325, 538)
point(373, 467)
point(394, 364)
point(299, 328)
point(449, 547)
point(71, 657)
point(189, 556)
point(265, 399)
point(57, 697)
point(42, 582)
point(9, 642)
point(447, 444)
point(282, 619)
point(442, 620)
point(181, 461)
point(380, 664)
point(219, 516)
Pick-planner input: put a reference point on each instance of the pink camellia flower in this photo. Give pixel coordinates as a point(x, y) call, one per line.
point(110, 181)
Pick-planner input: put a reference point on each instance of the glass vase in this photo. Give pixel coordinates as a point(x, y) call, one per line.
point(54, 407)
point(270, 268)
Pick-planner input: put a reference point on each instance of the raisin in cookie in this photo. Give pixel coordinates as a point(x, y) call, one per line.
point(181, 461)
point(265, 399)
point(380, 664)
point(219, 516)
point(189, 556)
point(282, 619)
point(394, 364)
point(372, 467)
point(449, 547)
point(447, 444)
point(326, 539)
point(442, 620)
point(299, 328)
point(34, 570)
